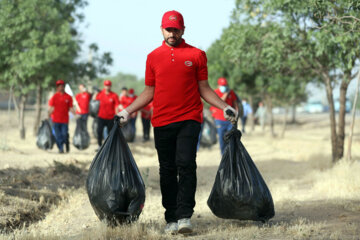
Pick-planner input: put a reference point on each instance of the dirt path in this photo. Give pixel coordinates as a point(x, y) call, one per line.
point(312, 199)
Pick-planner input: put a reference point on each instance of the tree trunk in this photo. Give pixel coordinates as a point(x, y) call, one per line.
point(22, 115)
point(330, 98)
point(16, 106)
point(353, 117)
point(270, 114)
point(342, 112)
point(39, 92)
point(293, 114)
point(251, 115)
point(284, 123)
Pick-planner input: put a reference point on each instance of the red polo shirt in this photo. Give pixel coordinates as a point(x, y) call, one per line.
point(83, 100)
point(108, 103)
point(125, 101)
point(175, 72)
point(61, 102)
point(218, 113)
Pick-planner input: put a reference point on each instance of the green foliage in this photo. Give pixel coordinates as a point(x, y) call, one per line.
point(39, 44)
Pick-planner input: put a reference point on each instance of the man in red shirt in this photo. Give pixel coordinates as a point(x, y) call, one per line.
point(227, 95)
point(109, 102)
point(146, 113)
point(59, 106)
point(83, 99)
point(176, 79)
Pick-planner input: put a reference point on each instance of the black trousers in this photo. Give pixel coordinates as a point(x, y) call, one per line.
point(176, 147)
point(101, 124)
point(146, 128)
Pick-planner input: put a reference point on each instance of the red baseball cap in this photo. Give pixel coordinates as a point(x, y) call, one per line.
point(107, 83)
point(60, 82)
point(172, 19)
point(222, 81)
point(131, 91)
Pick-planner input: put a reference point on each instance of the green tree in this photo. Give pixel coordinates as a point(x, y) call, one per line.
point(39, 43)
point(327, 33)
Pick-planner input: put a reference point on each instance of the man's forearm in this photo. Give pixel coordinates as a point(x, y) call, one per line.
point(142, 100)
point(50, 110)
point(211, 97)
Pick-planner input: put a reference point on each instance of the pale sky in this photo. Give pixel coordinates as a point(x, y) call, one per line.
point(131, 29)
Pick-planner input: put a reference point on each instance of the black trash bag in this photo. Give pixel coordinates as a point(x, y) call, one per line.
point(208, 134)
point(239, 191)
point(94, 108)
point(114, 185)
point(81, 139)
point(45, 138)
point(129, 132)
point(94, 127)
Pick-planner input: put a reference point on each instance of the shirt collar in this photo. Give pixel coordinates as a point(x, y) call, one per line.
point(181, 45)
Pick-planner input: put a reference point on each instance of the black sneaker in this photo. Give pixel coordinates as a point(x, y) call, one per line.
point(61, 151)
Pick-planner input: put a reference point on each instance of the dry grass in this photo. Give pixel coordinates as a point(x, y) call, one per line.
point(313, 199)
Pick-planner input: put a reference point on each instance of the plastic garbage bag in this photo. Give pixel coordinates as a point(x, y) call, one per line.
point(129, 132)
point(81, 139)
point(94, 108)
point(239, 191)
point(114, 185)
point(45, 138)
point(208, 135)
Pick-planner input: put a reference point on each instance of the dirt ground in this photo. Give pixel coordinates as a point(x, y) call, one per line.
point(42, 193)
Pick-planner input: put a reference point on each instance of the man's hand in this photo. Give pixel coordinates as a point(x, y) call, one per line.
point(230, 117)
point(124, 117)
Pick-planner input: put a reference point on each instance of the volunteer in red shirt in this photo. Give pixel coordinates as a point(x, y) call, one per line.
point(123, 98)
point(59, 106)
point(133, 116)
point(175, 79)
point(109, 102)
point(227, 95)
point(146, 113)
point(83, 100)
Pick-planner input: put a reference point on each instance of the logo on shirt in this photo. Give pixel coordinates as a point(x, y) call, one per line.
point(188, 63)
point(172, 18)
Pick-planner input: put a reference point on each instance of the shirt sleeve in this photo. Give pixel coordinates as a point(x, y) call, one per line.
point(149, 74)
point(202, 71)
point(98, 96)
point(116, 99)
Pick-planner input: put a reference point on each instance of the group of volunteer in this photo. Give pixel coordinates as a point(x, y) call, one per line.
point(61, 103)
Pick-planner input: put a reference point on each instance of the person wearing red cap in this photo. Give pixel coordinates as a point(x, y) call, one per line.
point(227, 95)
point(127, 97)
point(83, 100)
point(59, 106)
point(176, 79)
point(109, 102)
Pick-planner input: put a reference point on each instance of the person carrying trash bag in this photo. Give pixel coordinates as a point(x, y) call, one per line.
point(229, 96)
point(239, 191)
point(176, 80)
point(114, 184)
point(45, 139)
point(109, 102)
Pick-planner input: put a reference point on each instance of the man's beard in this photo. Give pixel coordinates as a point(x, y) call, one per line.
point(174, 44)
